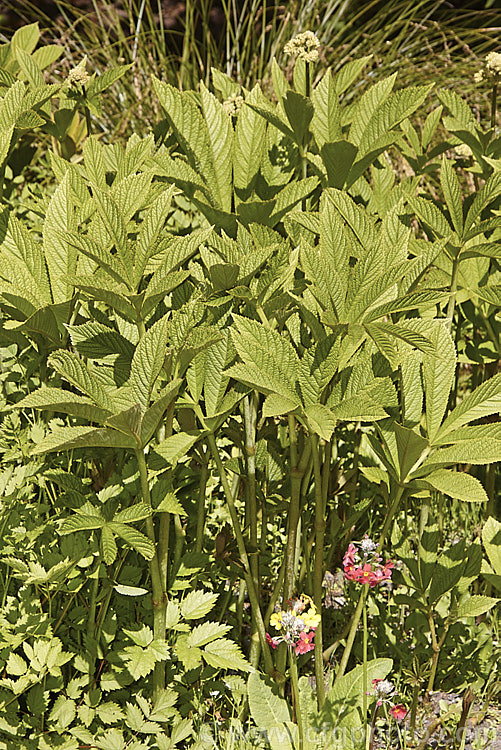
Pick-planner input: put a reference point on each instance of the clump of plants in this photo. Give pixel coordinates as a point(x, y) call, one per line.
point(249, 415)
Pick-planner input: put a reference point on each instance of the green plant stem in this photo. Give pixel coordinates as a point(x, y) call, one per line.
point(350, 640)
point(414, 705)
point(91, 623)
point(452, 291)
point(202, 487)
point(297, 473)
point(373, 727)
point(364, 665)
point(436, 645)
point(390, 515)
point(250, 413)
point(253, 596)
point(494, 96)
point(318, 571)
point(159, 594)
point(295, 694)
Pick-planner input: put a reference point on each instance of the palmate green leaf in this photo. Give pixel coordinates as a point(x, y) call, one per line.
point(175, 447)
point(75, 371)
point(5, 141)
point(476, 605)
point(299, 111)
point(360, 408)
point(94, 162)
point(215, 378)
point(108, 546)
point(452, 193)
point(438, 375)
point(458, 485)
point(220, 131)
point(292, 194)
point(267, 350)
point(107, 79)
point(225, 654)
point(31, 257)
point(250, 131)
point(127, 421)
point(29, 68)
point(68, 438)
point(114, 222)
point(483, 198)
point(476, 451)
point(273, 116)
point(266, 707)
point(81, 522)
point(189, 127)
point(388, 114)
point(471, 432)
point(483, 401)
point(10, 106)
point(338, 157)
point(411, 391)
point(203, 634)
point(114, 297)
point(60, 256)
point(56, 399)
point(328, 287)
point(197, 604)
point(321, 420)
point(367, 105)
point(347, 74)
point(151, 226)
point(405, 333)
point(326, 123)
point(491, 539)
point(458, 108)
point(357, 219)
point(422, 300)
point(153, 415)
point(410, 447)
point(368, 288)
point(101, 255)
point(148, 361)
point(431, 215)
point(134, 538)
point(275, 405)
point(96, 341)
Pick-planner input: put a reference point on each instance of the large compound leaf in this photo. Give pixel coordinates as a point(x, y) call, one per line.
point(147, 362)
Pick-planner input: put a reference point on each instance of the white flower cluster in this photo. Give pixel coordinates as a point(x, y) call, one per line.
point(463, 150)
point(304, 45)
point(233, 104)
point(491, 69)
point(79, 74)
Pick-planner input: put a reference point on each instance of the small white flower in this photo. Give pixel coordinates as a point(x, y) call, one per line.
point(463, 150)
point(367, 545)
point(384, 688)
point(493, 63)
point(79, 74)
point(304, 45)
point(233, 104)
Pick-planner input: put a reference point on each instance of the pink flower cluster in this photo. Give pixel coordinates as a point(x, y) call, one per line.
point(297, 625)
point(384, 690)
point(363, 564)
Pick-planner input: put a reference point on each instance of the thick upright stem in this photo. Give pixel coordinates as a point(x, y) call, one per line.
point(295, 696)
point(199, 540)
point(493, 105)
point(158, 591)
point(250, 452)
point(364, 667)
point(452, 292)
point(318, 571)
point(253, 596)
point(297, 473)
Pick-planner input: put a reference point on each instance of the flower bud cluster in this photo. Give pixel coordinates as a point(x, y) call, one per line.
point(384, 690)
point(297, 625)
point(363, 564)
point(304, 46)
point(491, 70)
point(78, 74)
point(233, 104)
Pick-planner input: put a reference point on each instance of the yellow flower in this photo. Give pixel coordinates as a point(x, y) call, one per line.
point(276, 620)
point(311, 618)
